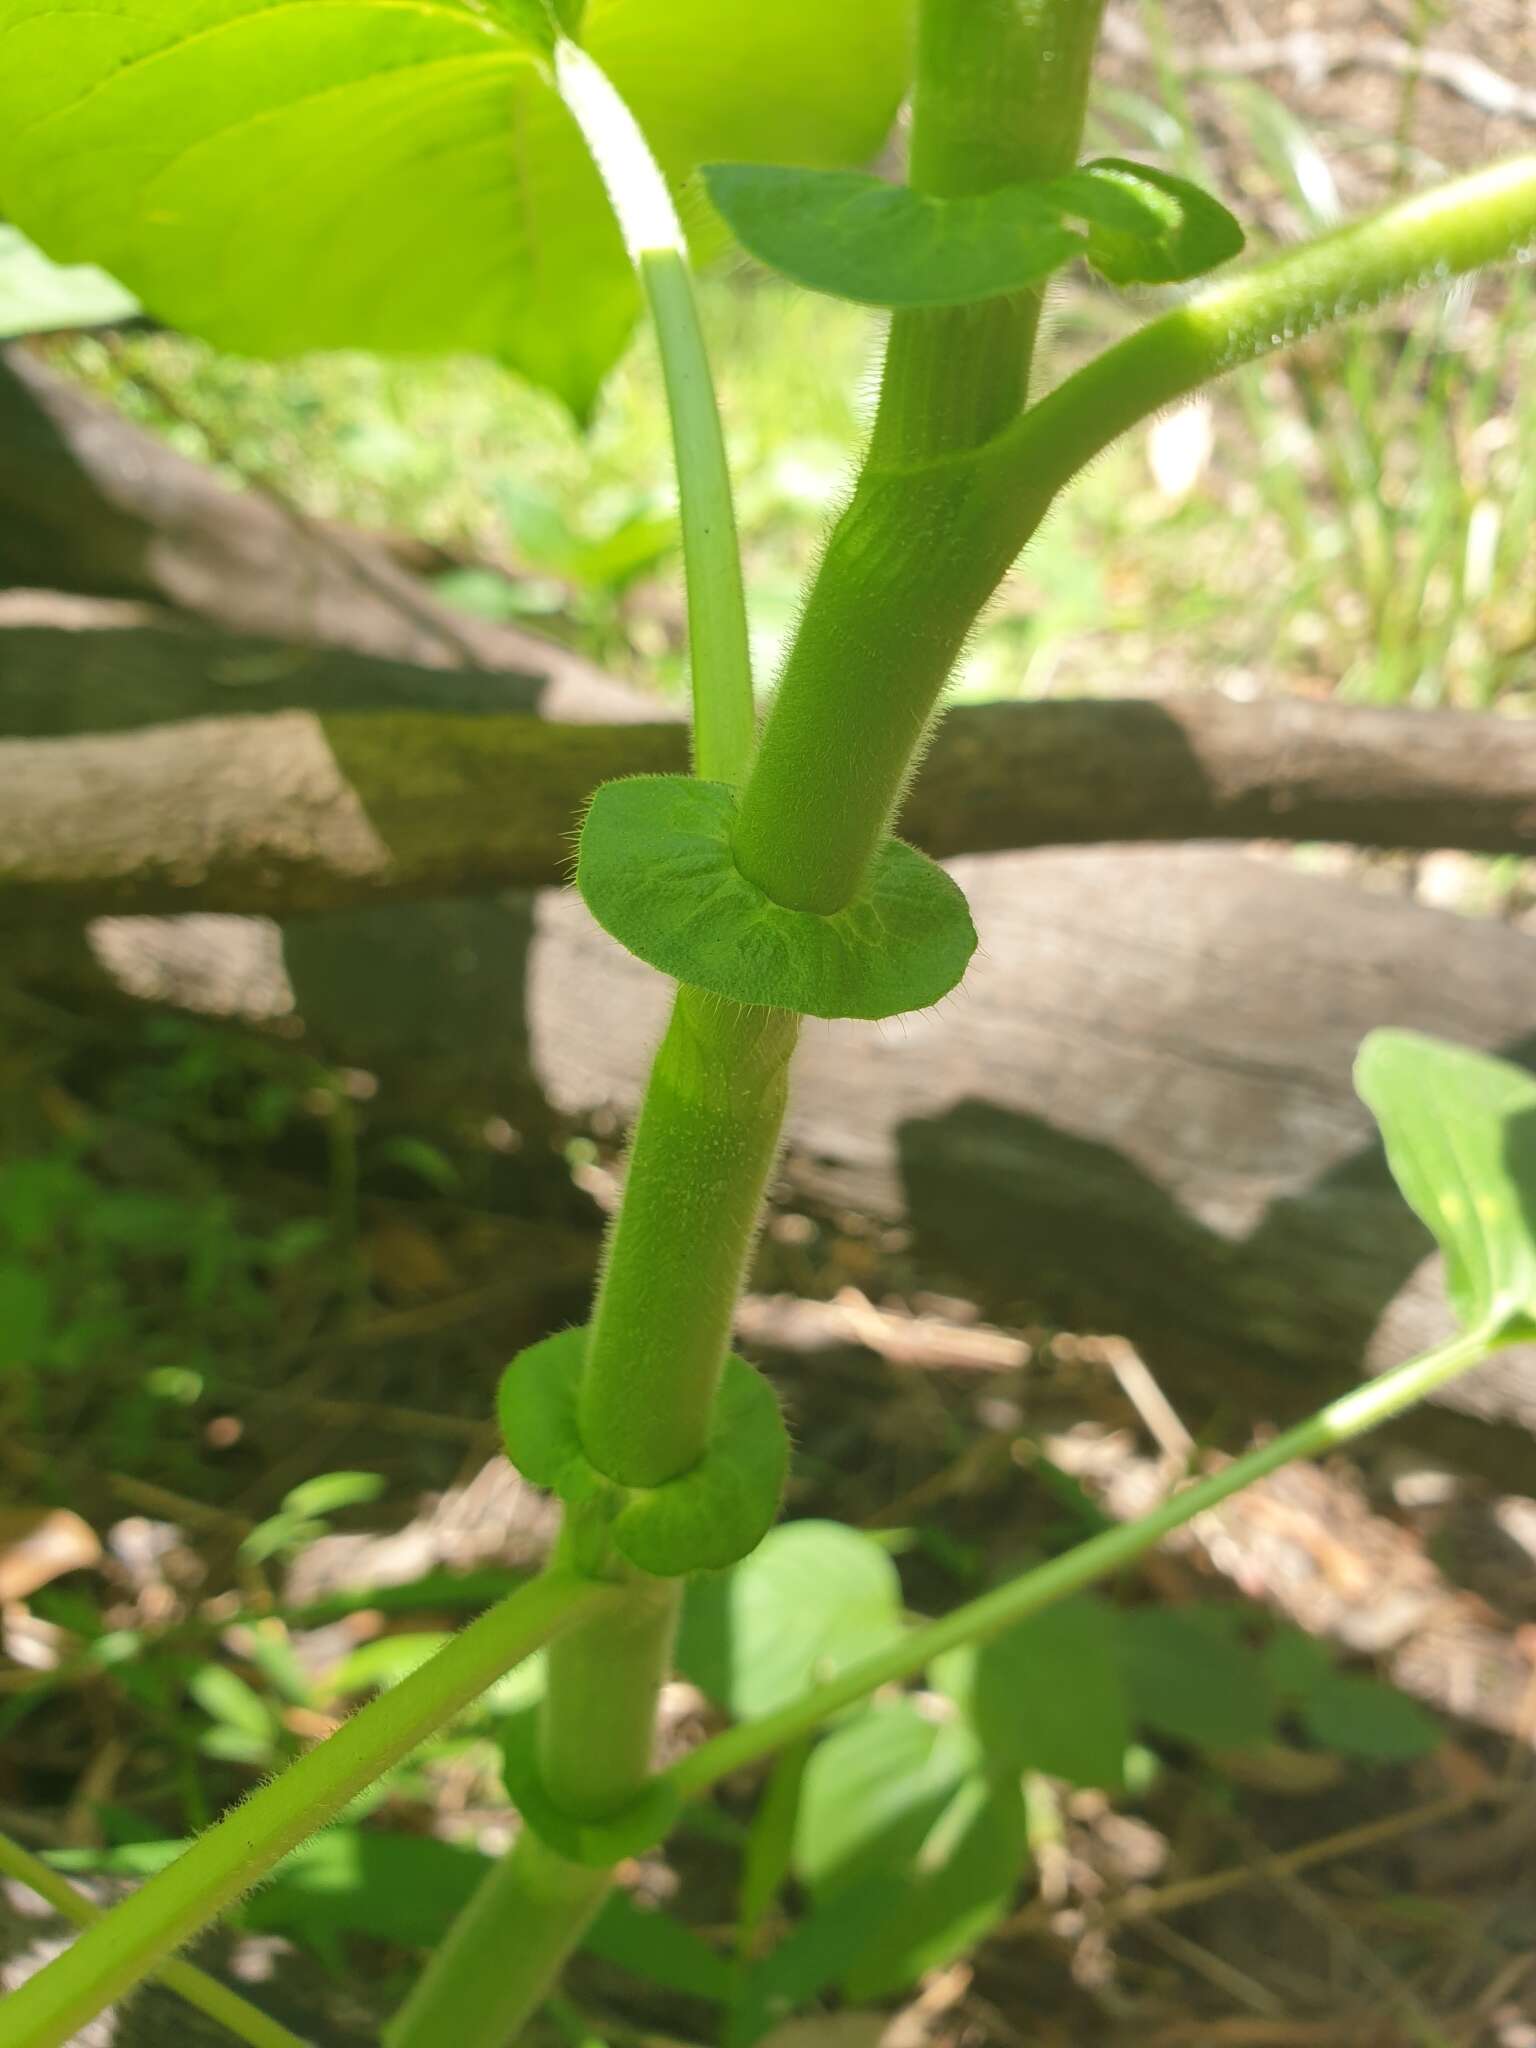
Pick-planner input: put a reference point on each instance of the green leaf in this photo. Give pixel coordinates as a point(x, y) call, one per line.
point(1049, 1695)
point(39, 297)
point(811, 1599)
point(1361, 1717)
point(1460, 1135)
point(329, 1491)
point(858, 237)
point(1144, 225)
point(226, 1698)
point(656, 869)
point(280, 176)
point(892, 1794)
point(1190, 1680)
point(872, 1791)
point(1295, 1663)
point(810, 1958)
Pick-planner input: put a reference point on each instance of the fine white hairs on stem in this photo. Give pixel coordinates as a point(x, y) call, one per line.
point(636, 188)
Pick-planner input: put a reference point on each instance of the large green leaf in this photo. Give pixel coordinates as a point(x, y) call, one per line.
point(811, 1598)
point(857, 237)
point(400, 174)
point(1460, 1134)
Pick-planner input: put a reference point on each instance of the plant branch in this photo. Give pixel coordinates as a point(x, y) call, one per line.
point(133, 1939)
point(921, 550)
point(194, 1985)
point(724, 720)
point(1363, 1408)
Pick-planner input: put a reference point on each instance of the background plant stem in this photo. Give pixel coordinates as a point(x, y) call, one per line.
point(1364, 1408)
point(194, 1985)
point(132, 1940)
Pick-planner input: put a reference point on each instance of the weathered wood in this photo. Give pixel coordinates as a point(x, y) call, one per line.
point(1137, 1116)
point(90, 503)
point(150, 768)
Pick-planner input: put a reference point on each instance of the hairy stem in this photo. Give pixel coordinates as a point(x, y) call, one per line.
point(1001, 90)
point(921, 549)
point(1364, 1408)
point(998, 98)
point(227, 2007)
point(132, 1940)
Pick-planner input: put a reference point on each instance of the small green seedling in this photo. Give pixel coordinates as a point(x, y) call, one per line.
point(515, 178)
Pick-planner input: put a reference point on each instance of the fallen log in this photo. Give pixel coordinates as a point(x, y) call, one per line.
point(149, 768)
point(1136, 1117)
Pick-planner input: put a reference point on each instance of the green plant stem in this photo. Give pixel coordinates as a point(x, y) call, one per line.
point(132, 1940)
point(719, 651)
point(724, 718)
point(920, 550)
point(703, 1149)
point(501, 1955)
point(194, 1985)
point(702, 1152)
point(998, 97)
point(1363, 1408)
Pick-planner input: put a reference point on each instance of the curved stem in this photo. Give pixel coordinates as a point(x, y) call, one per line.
point(724, 718)
point(1362, 1409)
point(921, 549)
point(133, 1939)
point(219, 2003)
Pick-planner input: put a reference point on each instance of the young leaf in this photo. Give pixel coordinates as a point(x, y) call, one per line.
point(1144, 225)
point(1190, 1680)
point(280, 176)
point(857, 237)
point(1460, 1135)
point(812, 1597)
point(1048, 1695)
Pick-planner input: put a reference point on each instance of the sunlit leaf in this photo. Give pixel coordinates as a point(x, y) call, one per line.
point(279, 176)
point(1049, 1695)
point(1460, 1135)
point(857, 237)
point(812, 1598)
point(1146, 226)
